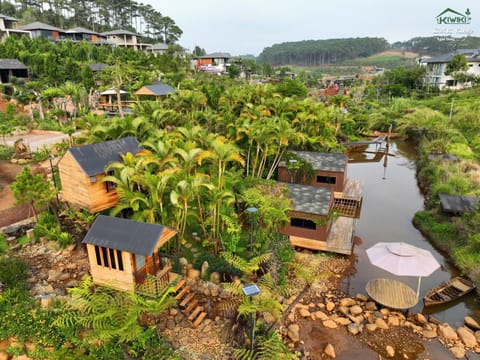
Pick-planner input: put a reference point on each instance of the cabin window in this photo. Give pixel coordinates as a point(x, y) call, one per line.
point(332, 180)
point(109, 185)
point(106, 258)
point(112, 258)
point(139, 261)
point(97, 255)
point(303, 223)
point(120, 260)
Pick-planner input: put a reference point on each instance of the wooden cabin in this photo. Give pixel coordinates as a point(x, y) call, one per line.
point(82, 169)
point(310, 217)
point(125, 255)
point(330, 170)
point(155, 91)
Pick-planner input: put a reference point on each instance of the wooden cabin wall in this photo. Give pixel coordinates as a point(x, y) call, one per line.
point(74, 182)
point(114, 278)
point(78, 190)
point(285, 176)
point(100, 199)
point(320, 234)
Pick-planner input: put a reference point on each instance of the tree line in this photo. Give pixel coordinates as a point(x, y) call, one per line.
point(321, 52)
point(98, 15)
point(335, 51)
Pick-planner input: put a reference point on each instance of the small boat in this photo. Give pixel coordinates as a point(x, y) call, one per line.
point(448, 291)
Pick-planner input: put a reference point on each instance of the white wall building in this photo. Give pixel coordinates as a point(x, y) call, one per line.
point(437, 66)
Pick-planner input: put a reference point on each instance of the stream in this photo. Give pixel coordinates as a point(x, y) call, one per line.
point(391, 197)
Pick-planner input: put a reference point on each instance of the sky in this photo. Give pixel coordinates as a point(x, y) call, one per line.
point(243, 27)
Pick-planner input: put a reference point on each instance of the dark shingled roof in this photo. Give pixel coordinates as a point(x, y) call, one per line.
point(37, 25)
point(470, 54)
point(324, 161)
point(458, 203)
point(81, 30)
point(11, 64)
point(310, 199)
point(124, 235)
point(119, 32)
point(6, 17)
point(95, 157)
point(160, 89)
point(97, 67)
point(449, 157)
point(216, 55)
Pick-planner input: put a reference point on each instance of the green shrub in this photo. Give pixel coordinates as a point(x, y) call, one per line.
point(216, 264)
point(47, 226)
point(6, 152)
point(65, 239)
point(13, 273)
point(3, 243)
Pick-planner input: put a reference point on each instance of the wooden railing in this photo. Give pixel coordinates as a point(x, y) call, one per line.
point(150, 285)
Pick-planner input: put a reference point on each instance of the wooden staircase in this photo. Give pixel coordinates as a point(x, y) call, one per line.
point(189, 304)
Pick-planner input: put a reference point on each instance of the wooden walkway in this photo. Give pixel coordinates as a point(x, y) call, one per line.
point(378, 141)
point(392, 293)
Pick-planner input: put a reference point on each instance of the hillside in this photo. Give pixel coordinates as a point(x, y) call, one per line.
point(361, 51)
point(321, 52)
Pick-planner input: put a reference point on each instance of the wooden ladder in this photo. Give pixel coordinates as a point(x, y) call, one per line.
point(189, 303)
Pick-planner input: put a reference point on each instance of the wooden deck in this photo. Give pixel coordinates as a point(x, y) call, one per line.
point(392, 293)
point(340, 239)
point(378, 140)
point(349, 202)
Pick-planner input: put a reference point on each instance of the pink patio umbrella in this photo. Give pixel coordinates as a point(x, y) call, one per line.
point(403, 259)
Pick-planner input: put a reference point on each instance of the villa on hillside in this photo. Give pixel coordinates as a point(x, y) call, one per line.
point(82, 170)
point(125, 38)
point(7, 26)
point(436, 67)
point(324, 209)
point(215, 62)
point(39, 29)
point(83, 34)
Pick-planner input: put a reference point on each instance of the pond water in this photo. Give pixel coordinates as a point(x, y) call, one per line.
point(391, 197)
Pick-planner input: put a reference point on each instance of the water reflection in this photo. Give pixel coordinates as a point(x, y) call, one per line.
point(390, 199)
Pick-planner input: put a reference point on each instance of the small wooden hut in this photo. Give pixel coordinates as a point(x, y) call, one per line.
point(82, 169)
point(330, 169)
point(156, 90)
point(310, 218)
point(125, 254)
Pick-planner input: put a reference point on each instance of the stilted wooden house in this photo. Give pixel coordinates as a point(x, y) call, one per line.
point(330, 169)
point(82, 169)
point(324, 208)
point(125, 255)
point(310, 217)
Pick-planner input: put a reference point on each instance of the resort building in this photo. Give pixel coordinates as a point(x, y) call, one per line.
point(437, 66)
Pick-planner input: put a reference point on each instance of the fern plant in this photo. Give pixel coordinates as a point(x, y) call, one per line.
point(268, 348)
point(109, 314)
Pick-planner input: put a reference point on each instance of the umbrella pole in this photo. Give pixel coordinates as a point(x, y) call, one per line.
point(418, 286)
